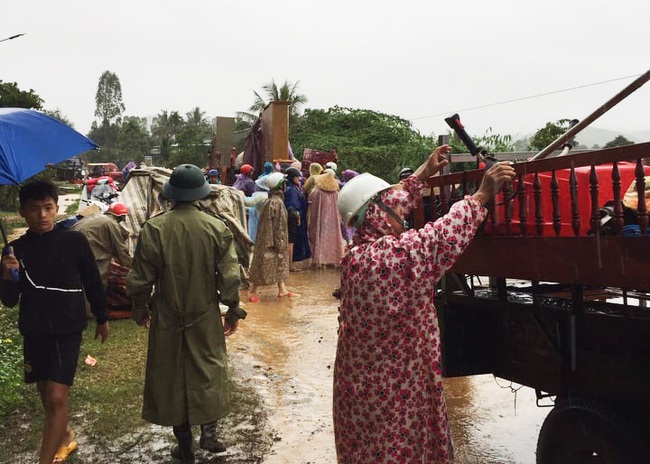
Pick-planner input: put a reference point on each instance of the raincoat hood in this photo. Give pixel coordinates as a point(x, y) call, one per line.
point(326, 182)
point(268, 168)
point(315, 169)
point(349, 174)
point(375, 224)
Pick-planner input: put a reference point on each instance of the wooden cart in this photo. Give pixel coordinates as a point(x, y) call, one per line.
point(543, 297)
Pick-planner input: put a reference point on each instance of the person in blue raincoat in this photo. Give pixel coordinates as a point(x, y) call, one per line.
point(295, 201)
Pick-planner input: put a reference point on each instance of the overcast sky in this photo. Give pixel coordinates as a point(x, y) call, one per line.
point(421, 60)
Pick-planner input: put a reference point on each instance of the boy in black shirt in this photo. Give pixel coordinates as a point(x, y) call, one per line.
point(54, 269)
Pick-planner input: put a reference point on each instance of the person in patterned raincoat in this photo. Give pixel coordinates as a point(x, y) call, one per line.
point(388, 392)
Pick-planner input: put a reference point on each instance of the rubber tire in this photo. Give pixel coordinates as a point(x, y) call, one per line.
point(580, 431)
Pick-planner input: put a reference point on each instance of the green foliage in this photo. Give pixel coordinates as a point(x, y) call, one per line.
point(12, 96)
point(133, 140)
point(58, 114)
point(549, 133)
point(194, 139)
point(9, 197)
point(366, 141)
point(106, 136)
point(108, 99)
point(286, 92)
point(619, 141)
point(164, 130)
point(11, 384)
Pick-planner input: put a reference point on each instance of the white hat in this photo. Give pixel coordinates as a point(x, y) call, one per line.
point(261, 182)
point(331, 165)
point(355, 196)
point(274, 180)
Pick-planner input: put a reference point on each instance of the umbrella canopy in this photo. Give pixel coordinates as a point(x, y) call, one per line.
point(29, 140)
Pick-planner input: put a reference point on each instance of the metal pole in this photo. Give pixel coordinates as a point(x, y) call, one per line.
point(568, 135)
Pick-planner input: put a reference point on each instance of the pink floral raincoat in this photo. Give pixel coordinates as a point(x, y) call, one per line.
point(388, 394)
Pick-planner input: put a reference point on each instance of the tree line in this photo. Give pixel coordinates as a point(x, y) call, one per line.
point(365, 140)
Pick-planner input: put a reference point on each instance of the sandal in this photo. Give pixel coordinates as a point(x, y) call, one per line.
point(64, 451)
point(288, 294)
point(254, 299)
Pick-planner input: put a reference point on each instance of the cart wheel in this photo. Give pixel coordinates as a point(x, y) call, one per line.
point(579, 431)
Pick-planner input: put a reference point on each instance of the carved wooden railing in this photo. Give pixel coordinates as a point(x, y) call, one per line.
point(537, 228)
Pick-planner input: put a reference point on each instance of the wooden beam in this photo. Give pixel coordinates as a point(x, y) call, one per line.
point(604, 261)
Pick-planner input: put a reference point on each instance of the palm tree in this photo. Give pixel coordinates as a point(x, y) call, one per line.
point(164, 129)
point(287, 92)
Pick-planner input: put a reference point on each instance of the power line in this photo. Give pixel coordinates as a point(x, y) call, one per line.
point(12, 37)
point(526, 98)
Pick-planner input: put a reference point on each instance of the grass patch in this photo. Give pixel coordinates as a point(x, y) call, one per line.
point(72, 207)
point(106, 403)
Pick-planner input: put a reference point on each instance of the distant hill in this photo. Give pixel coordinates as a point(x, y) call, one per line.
point(591, 136)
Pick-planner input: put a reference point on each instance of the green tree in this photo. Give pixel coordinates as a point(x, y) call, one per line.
point(286, 92)
point(547, 134)
point(58, 114)
point(619, 141)
point(108, 99)
point(366, 141)
point(12, 96)
point(106, 136)
point(164, 130)
point(134, 141)
point(194, 139)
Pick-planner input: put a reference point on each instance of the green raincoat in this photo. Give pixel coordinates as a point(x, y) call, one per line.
point(190, 257)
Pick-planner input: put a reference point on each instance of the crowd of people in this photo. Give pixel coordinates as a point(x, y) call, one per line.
point(294, 219)
point(388, 401)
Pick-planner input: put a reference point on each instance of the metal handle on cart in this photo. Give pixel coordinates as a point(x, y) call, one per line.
point(457, 126)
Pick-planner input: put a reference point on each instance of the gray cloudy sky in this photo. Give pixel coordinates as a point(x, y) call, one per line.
point(410, 58)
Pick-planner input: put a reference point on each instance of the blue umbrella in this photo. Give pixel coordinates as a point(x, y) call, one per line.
point(29, 140)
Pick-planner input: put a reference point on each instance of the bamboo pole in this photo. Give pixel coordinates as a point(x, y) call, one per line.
point(570, 134)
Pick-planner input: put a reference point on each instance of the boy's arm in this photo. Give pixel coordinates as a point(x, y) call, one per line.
point(92, 282)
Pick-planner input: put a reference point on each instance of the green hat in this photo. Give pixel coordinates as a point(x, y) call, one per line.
point(186, 183)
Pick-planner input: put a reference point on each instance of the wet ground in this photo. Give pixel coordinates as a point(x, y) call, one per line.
point(292, 343)
point(283, 359)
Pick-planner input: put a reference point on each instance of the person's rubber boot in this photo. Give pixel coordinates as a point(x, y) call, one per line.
point(209, 440)
point(184, 450)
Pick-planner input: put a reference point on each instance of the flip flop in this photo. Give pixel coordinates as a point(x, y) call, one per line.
point(289, 294)
point(64, 452)
point(254, 299)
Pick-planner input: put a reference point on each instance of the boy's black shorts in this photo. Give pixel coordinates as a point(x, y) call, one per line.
point(51, 357)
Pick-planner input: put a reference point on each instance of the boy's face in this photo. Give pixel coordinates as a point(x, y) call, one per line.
point(40, 215)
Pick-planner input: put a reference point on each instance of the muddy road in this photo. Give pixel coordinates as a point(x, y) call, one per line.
point(282, 360)
point(290, 345)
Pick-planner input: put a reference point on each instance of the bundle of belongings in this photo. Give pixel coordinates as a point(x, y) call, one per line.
point(630, 204)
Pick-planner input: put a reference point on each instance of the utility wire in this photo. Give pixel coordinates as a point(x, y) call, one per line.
point(525, 98)
point(12, 37)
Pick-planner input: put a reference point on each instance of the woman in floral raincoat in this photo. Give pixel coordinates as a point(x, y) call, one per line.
point(388, 392)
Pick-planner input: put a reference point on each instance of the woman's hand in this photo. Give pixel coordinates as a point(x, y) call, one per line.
point(434, 163)
point(493, 181)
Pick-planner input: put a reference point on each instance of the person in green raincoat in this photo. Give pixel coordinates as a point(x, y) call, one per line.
point(189, 258)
